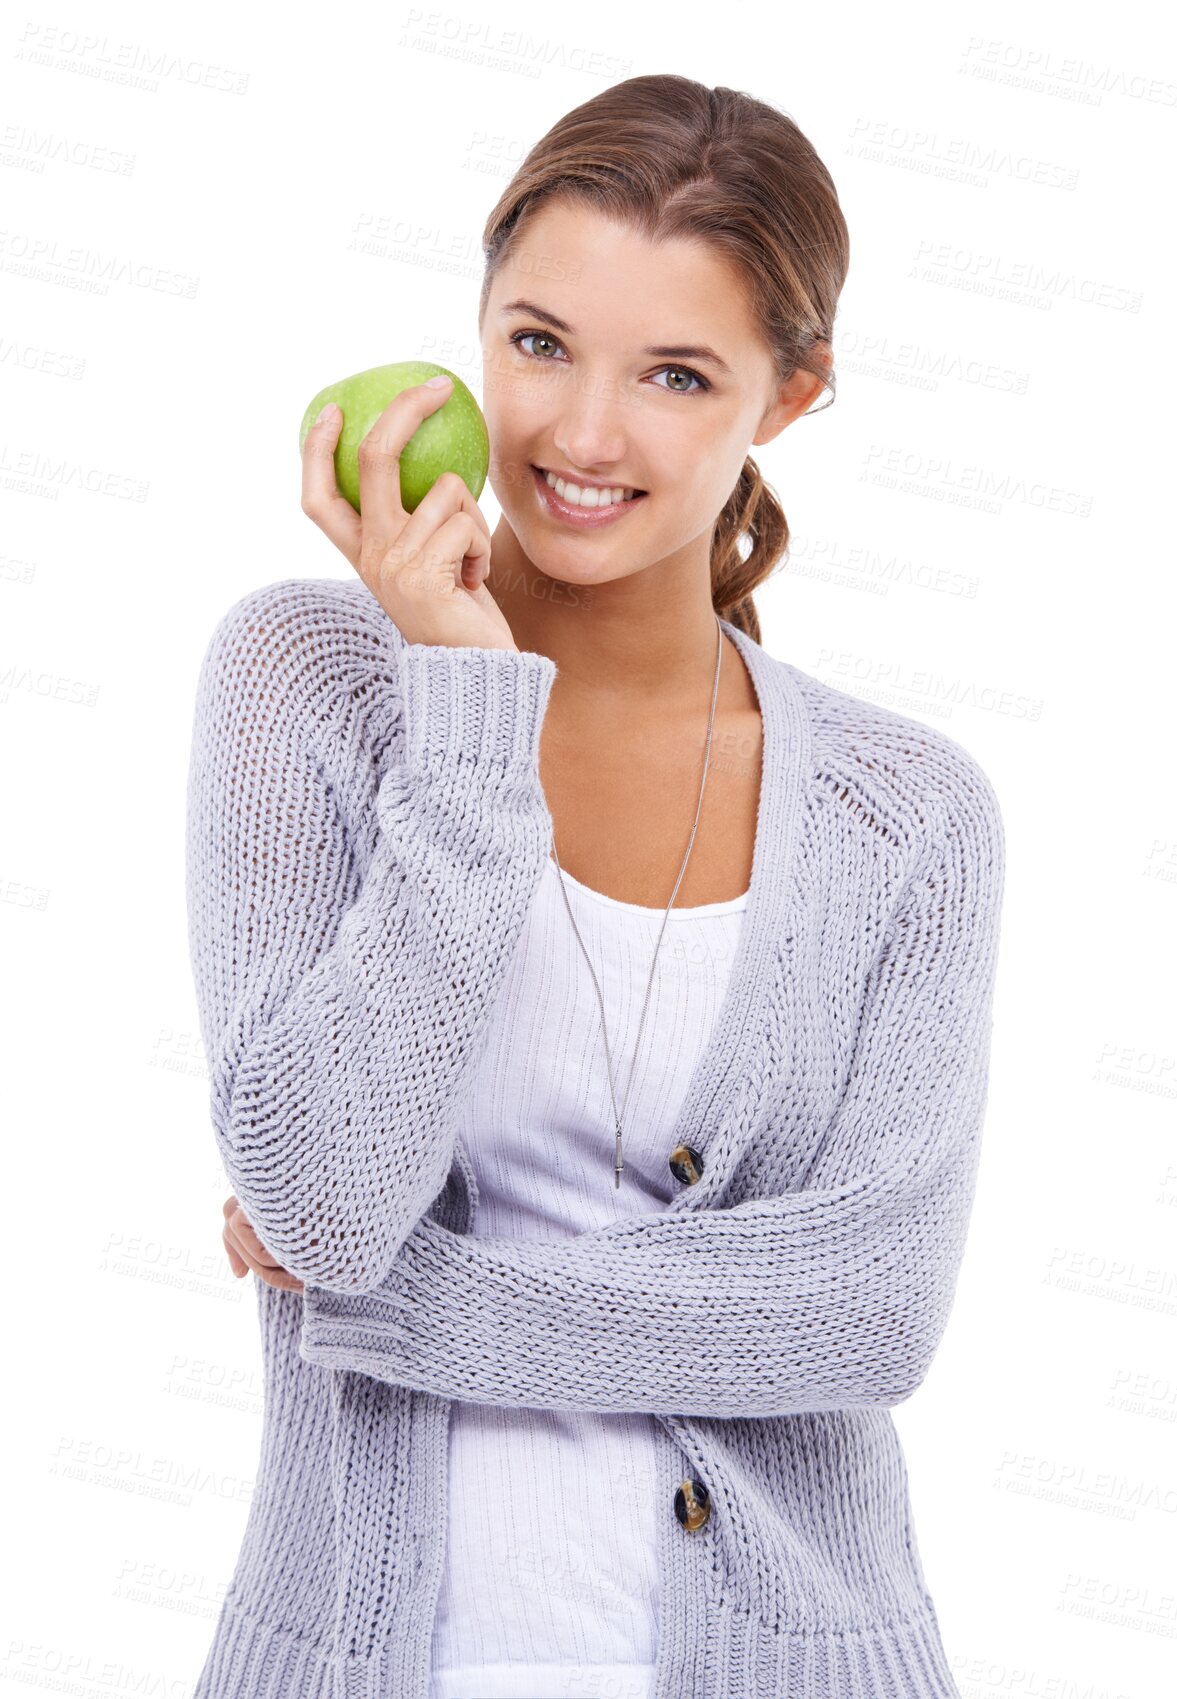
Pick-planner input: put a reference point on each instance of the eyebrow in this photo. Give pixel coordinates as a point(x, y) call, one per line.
point(682, 352)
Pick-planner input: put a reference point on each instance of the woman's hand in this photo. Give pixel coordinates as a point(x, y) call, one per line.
point(246, 1251)
point(426, 569)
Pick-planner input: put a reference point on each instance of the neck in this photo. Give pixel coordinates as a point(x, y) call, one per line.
point(639, 642)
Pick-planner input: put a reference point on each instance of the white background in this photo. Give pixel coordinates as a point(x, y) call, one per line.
point(982, 537)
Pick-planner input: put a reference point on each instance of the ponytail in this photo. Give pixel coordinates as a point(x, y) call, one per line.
point(753, 511)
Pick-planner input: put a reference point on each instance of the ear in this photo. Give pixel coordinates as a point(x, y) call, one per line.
point(793, 397)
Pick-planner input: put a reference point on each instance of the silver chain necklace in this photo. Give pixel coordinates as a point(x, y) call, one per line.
point(617, 1162)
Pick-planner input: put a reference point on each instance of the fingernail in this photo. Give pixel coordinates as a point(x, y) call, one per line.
point(327, 413)
point(436, 383)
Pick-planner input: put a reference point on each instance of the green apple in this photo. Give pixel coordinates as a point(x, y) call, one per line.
point(453, 438)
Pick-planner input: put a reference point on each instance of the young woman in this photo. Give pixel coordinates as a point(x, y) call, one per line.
point(598, 1007)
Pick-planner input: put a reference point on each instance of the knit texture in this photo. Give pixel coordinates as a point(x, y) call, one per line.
point(366, 831)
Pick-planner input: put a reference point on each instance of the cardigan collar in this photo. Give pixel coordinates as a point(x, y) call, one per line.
point(785, 767)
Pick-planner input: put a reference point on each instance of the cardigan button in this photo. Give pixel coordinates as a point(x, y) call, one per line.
point(686, 1164)
point(692, 1505)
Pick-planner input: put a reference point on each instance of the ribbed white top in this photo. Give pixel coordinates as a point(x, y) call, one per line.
point(550, 1585)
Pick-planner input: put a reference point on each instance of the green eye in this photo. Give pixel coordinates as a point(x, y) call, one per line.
point(521, 335)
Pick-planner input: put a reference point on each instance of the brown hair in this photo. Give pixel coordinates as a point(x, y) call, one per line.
point(679, 160)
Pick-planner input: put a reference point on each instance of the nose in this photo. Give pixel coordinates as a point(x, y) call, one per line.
point(589, 432)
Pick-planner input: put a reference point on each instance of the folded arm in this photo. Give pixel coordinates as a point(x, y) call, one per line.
point(338, 1011)
point(831, 1296)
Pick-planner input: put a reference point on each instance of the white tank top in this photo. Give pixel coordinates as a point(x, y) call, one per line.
point(540, 1597)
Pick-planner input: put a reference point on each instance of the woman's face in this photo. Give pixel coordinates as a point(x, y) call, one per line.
point(571, 385)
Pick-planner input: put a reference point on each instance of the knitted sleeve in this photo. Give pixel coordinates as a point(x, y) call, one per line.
point(338, 1011)
point(834, 1295)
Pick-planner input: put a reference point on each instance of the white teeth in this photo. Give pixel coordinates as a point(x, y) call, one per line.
point(577, 496)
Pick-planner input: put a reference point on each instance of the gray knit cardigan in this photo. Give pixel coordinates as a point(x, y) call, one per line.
point(366, 829)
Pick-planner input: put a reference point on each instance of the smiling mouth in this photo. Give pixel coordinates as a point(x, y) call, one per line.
point(593, 491)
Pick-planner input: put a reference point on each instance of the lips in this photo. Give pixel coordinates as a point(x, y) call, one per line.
point(619, 485)
point(577, 517)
